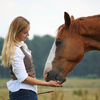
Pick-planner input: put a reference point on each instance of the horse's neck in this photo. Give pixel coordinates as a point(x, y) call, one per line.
point(90, 44)
point(90, 32)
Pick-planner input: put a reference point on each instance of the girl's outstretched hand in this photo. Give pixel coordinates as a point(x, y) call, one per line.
point(54, 83)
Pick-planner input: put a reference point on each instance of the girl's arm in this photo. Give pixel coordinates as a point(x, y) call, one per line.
point(33, 81)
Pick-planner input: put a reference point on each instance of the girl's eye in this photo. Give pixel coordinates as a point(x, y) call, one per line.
point(25, 32)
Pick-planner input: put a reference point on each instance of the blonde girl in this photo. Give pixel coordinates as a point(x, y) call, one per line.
point(17, 56)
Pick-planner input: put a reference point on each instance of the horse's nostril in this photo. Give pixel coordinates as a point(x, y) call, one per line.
point(48, 74)
point(54, 75)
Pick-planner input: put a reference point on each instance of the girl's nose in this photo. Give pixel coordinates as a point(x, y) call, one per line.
point(27, 34)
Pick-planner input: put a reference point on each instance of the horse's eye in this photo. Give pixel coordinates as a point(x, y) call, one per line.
point(58, 42)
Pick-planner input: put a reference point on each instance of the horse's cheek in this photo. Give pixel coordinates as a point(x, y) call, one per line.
point(76, 52)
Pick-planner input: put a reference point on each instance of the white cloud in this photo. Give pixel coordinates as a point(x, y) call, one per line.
point(45, 16)
point(77, 8)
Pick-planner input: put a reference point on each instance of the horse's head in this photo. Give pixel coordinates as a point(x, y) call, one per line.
point(66, 52)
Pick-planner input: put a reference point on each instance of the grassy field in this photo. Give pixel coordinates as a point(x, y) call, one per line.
point(73, 89)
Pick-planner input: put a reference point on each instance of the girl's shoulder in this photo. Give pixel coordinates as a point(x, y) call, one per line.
point(24, 45)
point(18, 51)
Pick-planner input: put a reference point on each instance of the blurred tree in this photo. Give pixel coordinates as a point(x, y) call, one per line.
point(40, 47)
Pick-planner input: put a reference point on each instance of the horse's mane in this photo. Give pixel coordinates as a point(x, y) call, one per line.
point(60, 30)
point(75, 25)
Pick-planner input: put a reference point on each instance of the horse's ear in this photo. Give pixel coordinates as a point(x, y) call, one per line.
point(67, 19)
point(72, 18)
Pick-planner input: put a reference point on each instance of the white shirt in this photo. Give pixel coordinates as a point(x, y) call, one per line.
point(19, 70)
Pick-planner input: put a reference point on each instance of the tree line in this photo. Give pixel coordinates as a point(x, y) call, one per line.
point(40, 47)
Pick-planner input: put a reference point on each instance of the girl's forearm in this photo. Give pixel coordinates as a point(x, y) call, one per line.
point(33, 81)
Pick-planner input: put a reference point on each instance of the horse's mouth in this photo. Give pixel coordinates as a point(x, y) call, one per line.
point(56, 76)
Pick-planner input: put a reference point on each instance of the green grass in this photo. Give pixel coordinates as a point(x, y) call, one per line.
point(4, 94)
point(3, 83)
point(73, 89)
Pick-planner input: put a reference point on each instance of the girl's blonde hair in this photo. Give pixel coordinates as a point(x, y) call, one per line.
point(11, 40)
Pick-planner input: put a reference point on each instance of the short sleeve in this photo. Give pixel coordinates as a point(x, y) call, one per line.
point(18, 66)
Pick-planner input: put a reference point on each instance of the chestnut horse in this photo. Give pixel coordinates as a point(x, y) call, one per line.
point(74, 38)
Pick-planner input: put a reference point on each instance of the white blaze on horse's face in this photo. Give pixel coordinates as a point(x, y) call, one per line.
point(48, 65)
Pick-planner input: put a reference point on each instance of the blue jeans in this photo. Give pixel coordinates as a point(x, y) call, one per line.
point(23, 95)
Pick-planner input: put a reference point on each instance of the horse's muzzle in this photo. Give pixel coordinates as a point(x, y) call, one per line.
point(56, 76)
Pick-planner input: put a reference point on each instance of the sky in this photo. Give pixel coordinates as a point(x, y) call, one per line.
point(45, 16)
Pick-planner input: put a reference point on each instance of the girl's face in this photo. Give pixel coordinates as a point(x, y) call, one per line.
point(23, 34)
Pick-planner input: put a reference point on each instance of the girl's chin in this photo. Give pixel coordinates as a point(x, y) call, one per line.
point(24, 39)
